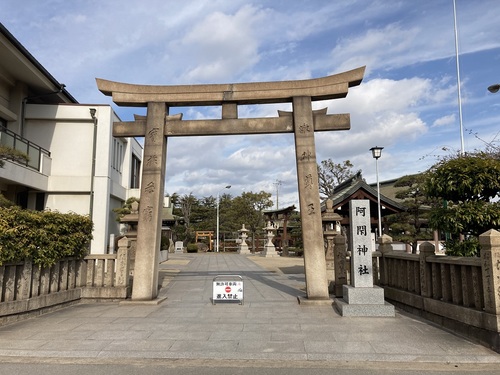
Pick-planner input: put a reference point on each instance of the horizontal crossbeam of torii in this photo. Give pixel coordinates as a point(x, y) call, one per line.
point(303, 122)
point(331, 87)
point(176, 127)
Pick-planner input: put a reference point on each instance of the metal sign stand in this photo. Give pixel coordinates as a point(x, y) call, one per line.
point(228, 288)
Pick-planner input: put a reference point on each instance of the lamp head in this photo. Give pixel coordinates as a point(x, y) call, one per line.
point(494, 88)
point(376, 151)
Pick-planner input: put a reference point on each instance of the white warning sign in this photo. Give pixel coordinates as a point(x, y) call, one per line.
point(227, 288)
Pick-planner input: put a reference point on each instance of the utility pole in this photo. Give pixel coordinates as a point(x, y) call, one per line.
point(462, 148)
point(278, 184)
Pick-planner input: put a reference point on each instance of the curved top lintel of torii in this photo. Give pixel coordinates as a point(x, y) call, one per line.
point(329, 87)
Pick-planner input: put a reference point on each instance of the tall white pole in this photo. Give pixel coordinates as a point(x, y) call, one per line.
point(217, 237)
point(278, 184)
point(218, 201)
point(376, 153)
point(378, 201)
point(462, 151)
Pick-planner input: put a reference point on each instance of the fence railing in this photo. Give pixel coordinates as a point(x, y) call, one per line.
point(107, 275)
point(11, 139)
point(25, 287)
point(457, 292)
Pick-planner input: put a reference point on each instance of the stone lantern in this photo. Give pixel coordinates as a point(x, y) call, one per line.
point(131, 220)
point(269, 249)
point(243, 247)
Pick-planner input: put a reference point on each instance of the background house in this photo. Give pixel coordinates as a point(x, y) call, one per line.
point(75, 165)
point(356, 188)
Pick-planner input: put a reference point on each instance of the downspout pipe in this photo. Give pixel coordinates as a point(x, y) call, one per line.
point(92, 173)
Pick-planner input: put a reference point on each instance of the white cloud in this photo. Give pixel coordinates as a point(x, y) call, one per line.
point(445, 120)
point(222, 45)
point(377, 48)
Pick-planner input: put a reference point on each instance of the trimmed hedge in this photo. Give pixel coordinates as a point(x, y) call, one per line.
point(45, 237)
point(192, 248)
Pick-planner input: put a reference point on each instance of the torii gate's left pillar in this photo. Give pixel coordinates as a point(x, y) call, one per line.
point(152, 191)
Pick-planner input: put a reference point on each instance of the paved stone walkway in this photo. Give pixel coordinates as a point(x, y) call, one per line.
point(270, 325)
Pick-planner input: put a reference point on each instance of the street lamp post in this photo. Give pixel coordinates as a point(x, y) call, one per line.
point(376, 153)
point(218, 201)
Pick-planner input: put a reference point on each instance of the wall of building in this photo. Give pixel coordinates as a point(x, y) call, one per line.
point(81, 147)
point(83, 173)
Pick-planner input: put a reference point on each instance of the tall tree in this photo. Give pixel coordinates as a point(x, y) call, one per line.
point(467, 184)
point(295, 232)
point(226, 216)
point(407, 226)
point(204, 216)
point(186, 203)
point(248, 209)
point(332, 174)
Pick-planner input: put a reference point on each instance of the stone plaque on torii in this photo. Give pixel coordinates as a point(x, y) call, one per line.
point(157, 126)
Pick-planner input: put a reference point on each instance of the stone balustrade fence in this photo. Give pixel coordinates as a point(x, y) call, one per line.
point(28, 289)
point(459, 293)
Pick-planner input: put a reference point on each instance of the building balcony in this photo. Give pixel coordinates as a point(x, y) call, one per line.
point(35, 153)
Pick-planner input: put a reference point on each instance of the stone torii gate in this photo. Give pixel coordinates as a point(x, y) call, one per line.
point(157, 126)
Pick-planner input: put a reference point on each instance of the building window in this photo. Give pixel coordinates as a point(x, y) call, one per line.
point(117, 157)
point(135, 173)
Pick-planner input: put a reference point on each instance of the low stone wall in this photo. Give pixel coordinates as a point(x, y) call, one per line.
point(25, 288)
point(28, 289)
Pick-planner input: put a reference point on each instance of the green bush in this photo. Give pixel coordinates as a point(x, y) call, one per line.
point(165, 243)
point(4, 202)
point(467, 248)
point(192, 248)
point(45, 237)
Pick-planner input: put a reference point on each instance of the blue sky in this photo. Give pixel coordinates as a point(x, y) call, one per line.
point(407, 102)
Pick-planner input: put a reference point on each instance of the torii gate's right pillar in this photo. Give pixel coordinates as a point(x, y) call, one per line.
point(310, 211)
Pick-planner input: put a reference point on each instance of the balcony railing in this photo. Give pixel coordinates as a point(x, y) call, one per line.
point(10, 139)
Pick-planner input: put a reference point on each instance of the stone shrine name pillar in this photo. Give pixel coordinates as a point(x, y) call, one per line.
point(150, 209)
point(310, 211)
point(362, 298)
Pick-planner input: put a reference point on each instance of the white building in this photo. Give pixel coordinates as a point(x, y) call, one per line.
point(75, 165)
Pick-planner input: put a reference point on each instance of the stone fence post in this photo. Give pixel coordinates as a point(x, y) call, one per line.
point(122, 262)
point(426, 249)
point(490, 265)
point(81, 273)
point(340, 264)
point(385, 247)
